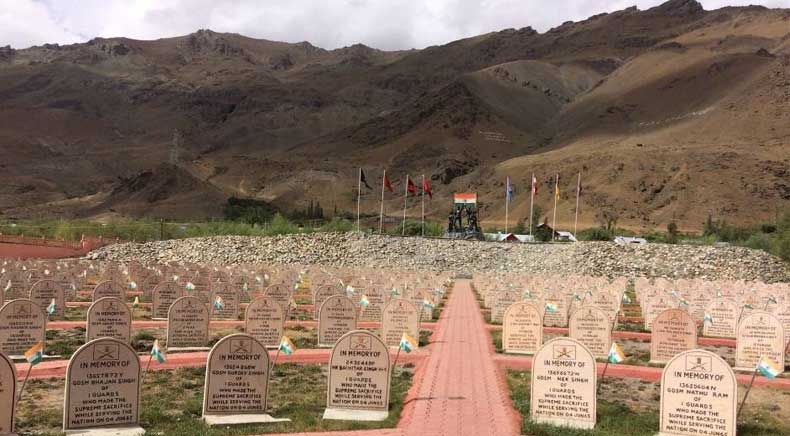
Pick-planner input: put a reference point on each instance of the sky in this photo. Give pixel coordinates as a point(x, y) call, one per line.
point(383, 24)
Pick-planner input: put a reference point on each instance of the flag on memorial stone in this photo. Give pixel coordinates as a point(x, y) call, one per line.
point(772, 299)
point(616, 354)
point(577, 297)
point(132, 285)
point(51, 308)
point(35, 354)
point(626, 299)
point(287, 346)
point(157, 352)
point(363, 301)
point(551, 307)
point(292, 304)
point(707, 319)
point(190, 286)
point(748, 306)
point(407, 343)
point(218, 303)
point(428, 303)
point(768, 367)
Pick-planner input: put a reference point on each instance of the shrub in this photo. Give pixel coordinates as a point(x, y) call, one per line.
point(281, 226)
point(337, 225)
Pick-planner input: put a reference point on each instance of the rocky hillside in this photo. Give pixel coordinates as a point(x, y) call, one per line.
point(360, 250)
point(670, 113)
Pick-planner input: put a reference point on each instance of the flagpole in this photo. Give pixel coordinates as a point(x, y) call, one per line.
point(359, 194)
point(531, 200)
point(147, 365)
point(405, 196)
point(22, 389)
point(578, 189)
point(381, 214)
point(554, 219)
point(423, 205)
point(746, 395)
point(279, 346)
point(507, 201)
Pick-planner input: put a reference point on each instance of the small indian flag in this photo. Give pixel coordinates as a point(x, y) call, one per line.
point(292, 304)
point(136, 302)
point(718, 293)
point(675, 294)
point(551, 307)
point(527, 295)
point(364, 302)
point(7, 286)
point(707, 319)
point(51, 308)
point(577, 297)
point(349, 290)
point(748, 306)
point(683, 302)
point(157, 352)
point(190, 286)
point(616, 354)
point(626, 299)
point(287, 346)
point(768, 367)
point(394, 292)
point(428, 303)
point(407, 343)
point(772, 299)
point(35, 354)
point(132, 285)
point(218, 303)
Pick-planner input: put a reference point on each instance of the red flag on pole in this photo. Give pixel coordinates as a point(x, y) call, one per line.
point(387, 183)
point(534, 185)
point(426, 188)
point(410, 186)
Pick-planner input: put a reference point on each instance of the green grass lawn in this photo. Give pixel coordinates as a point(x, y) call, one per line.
point(172, 404)
point(630, 408)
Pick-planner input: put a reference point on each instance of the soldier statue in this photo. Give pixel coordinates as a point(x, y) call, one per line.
point(451, 222)
point(459, 218)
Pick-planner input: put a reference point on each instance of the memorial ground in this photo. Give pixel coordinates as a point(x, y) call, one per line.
point(460, 386)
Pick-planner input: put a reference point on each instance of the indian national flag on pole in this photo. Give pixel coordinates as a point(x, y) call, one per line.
point(287, 346)
point(190, 286)
point(157, 352)
point(132, 285)
point(707, 319)
point(551, 307)
point(407, 343)
point(218, 303)
point(364, 302)
point(35, 354)
point(51, 308)
point(626, 299)
point(616, 354)
point(768, 367)
point(292, 306)
point(428, 303)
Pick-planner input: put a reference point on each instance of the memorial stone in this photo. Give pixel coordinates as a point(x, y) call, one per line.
point(230, 302)
point(655, 306)
point(109, 289)
point(723, 319)
point(522, 328)
point(337, 316)
point(320, 295)
point(109, 317)
point(43, 292)
point(359, 378)
point(399, 316)
point(237, 378)
point(263, 320)
point(376, 302)
point(563, 384)
point(674, 331)
point(103, 389)
point(759, 334)
point(501, 303)
point(592, 327)
point(22, 325)
point(163, 296)
point(7, 395)
point(281, 294)
point(187, 324)
point(698, 395)
point(559, 316)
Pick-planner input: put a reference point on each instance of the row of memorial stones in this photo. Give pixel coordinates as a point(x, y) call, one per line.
point(720, 316)
point(23, 322)
point(674, 331)
point(104, 375)
point(82, 276)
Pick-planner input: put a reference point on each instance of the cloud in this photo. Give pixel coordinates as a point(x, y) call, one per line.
point(385, 24)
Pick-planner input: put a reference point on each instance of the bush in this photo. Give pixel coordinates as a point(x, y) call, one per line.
point(248, 210)
point(337, 225)
point(595, 234)
point(281, 226)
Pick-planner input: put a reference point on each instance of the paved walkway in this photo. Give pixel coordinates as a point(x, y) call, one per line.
point(458, 390)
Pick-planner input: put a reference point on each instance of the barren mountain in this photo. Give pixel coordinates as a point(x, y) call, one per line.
point(669, 113)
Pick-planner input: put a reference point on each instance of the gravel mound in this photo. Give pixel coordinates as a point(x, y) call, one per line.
point(360, 250)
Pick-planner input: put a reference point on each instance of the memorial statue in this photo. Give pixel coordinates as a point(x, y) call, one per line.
point(459, 218)
point(451, 222)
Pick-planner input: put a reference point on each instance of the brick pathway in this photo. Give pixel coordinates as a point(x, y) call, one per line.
point(458, 391)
